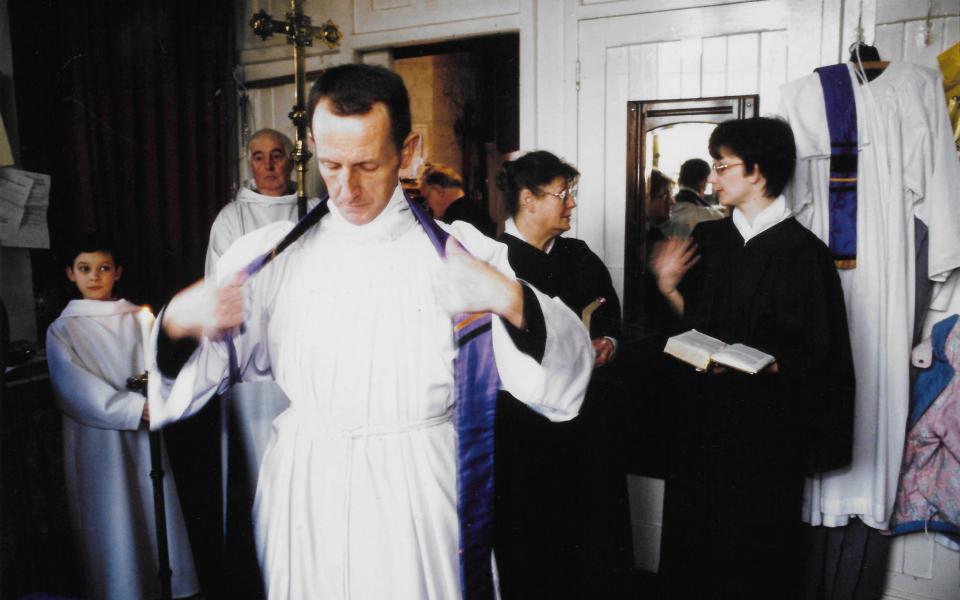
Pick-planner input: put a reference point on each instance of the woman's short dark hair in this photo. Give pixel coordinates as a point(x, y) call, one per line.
point(531, 171)
point(761, 143)
point(353, 89)
point(91, 242)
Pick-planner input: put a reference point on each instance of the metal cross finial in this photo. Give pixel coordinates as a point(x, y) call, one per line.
point(300, 32)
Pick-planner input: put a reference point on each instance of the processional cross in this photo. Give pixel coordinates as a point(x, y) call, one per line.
point(300, 33)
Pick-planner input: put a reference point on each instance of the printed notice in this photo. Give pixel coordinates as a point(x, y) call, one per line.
point(31, 230)
point(15, 189)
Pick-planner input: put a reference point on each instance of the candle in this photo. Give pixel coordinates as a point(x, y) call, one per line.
point(146, 326)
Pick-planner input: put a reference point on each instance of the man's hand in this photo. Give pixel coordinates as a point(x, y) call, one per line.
point(465, 284)
point(603, 347)
point(204, 309)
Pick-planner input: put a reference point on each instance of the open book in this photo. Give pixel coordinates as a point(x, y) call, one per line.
point(700, 350)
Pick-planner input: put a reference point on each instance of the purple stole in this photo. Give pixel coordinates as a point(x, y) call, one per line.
point(477, 384)
point(842, 123)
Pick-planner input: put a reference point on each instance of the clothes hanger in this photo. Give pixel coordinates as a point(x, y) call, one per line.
point(868, 58)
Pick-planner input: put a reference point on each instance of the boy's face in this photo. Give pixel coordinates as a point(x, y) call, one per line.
point(95, 275)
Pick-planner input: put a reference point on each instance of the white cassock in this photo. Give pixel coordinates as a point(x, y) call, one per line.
point(253, 405)
point(907, 167)
point(92, 348)
point(250, 211)
point(357, 492)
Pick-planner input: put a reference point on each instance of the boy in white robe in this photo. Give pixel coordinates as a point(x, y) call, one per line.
point(92, 348)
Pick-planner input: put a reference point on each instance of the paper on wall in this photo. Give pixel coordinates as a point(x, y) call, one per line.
point(32, 231)
point(14, 192)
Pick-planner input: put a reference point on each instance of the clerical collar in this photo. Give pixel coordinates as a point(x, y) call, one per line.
point(776, 213)
point(249, 194)
point(510, 226)
point(393, 221)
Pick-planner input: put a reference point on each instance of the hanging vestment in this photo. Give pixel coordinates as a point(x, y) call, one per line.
point(92, 348)
point(357, 491)
point(928, 498)
point(842, 124)
point(906, 168)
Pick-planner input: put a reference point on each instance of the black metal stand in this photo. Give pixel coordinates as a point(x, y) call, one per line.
point(160, 513)
point(165, 574)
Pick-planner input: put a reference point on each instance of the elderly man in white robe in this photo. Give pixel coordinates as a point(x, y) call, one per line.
point(357, 496)
point(268, 197)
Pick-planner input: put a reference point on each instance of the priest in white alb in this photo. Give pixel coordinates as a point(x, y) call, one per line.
point(358, 493)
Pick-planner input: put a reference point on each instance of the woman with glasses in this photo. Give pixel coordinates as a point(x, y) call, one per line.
point(745, 442)
point(561, 515)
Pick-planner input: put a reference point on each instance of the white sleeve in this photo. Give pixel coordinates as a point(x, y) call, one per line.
point(206, 371)
point(224, 231)
point(556, 385)
point(932, 174)
point(85, 397)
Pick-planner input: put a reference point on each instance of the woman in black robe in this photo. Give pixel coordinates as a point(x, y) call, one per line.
point(562, 520)
point(744, 442)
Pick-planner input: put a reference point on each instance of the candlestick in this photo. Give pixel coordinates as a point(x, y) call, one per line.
point(146, 327)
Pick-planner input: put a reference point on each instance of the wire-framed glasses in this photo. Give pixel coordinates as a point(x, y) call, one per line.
point(562, 196)
point(719, 168)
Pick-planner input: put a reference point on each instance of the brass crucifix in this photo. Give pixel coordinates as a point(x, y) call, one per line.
point(300, 33)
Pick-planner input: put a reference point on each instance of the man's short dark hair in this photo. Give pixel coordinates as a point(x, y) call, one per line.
point(532, 171)
point(761, 143)
point(91, 242)
point(441, 176)
point(354, 89)
point(693, 172)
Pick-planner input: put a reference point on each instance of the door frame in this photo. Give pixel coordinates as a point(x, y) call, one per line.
point(644, 116)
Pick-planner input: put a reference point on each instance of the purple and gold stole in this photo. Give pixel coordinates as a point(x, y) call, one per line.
point(477, 384)
point(842, 123)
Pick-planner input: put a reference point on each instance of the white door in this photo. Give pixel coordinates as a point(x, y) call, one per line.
point(730, 49)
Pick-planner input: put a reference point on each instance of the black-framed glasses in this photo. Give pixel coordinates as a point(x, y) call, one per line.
point(719, 168)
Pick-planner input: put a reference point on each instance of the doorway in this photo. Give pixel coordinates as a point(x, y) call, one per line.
point(662, 134)
point(465, 104)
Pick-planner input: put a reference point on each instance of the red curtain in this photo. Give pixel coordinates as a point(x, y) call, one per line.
point(129, 104)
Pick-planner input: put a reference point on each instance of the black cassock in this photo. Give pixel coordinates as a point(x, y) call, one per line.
point(562, 526)
point(745, 442)
point(463, 209)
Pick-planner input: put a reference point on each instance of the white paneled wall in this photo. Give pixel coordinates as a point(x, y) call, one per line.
point(384, 15)
point(906, 40)
point(707, 52)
